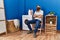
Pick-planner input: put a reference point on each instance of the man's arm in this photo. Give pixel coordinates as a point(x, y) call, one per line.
point(38, 16)
point(34, 15)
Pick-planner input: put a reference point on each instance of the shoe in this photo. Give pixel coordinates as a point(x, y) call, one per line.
point(34, 35)
point(29, 32)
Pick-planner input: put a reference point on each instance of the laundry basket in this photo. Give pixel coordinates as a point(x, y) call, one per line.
point(10, 26)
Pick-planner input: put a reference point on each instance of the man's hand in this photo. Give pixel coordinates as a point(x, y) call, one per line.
point(40, 16)
point(37, 16)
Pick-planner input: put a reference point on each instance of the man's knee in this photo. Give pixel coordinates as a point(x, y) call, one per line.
point(37, 22)
point(26, 21)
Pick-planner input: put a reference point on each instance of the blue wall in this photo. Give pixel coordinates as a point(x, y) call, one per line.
point(17, 8)
point(21, 11)
point(14, 9)
point(11, 9)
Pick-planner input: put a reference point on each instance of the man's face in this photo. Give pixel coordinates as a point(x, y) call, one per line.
point(38, 8)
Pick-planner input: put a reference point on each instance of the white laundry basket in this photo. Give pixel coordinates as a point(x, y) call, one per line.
point(13, 25)
point(10, 26)
point(17, 23)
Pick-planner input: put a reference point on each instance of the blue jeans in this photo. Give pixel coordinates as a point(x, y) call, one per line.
point(34, 21)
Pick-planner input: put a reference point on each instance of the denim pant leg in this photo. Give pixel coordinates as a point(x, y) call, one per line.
point(30, 22)
point(37, 26)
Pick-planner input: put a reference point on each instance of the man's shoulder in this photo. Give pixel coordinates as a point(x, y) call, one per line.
point(41, 10)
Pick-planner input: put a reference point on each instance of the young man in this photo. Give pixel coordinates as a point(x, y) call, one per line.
point(37, 20)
